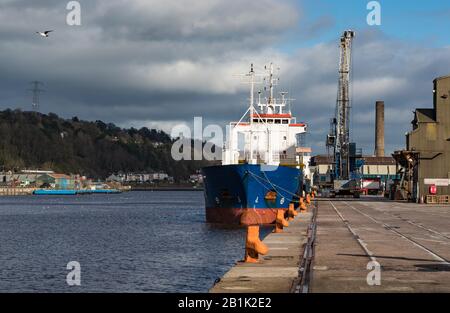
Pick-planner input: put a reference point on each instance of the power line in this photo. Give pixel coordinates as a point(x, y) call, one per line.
point(36, 90)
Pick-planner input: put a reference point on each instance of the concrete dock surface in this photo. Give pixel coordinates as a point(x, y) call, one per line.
point(410, 243)
point(276, 271)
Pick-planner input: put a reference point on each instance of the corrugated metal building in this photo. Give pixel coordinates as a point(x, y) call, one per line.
point(379, 167)
point(57, 181)
point(430, 139)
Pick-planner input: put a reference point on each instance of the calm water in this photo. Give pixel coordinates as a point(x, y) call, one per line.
point(131, 242)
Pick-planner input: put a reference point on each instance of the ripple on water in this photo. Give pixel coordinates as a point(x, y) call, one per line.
point(130, 242)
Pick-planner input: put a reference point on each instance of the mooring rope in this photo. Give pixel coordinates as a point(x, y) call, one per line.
point(257, 178)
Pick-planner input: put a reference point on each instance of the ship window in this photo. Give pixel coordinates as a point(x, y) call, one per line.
point(277, 121)
point(285, 121)
point(255, 120)
point(270, 121)
point(284, 137)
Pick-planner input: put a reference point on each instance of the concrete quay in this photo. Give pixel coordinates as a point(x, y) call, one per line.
point(277, 271)
point(410, 242)
point(16, 191)
point(407, 245)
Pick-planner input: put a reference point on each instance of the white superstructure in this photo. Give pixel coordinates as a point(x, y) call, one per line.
point(267, 133)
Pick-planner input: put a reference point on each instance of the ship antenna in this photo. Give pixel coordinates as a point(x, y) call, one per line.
point(252, 79)
point(271, 84)
point(252, 83)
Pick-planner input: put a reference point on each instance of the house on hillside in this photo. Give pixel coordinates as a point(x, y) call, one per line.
point(119, 178)
point(138, 177)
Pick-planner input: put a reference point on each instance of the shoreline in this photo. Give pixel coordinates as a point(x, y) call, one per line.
point(20, 191)
point(166, 189)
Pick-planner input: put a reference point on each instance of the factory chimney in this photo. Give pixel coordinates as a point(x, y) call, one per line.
point(379, 129)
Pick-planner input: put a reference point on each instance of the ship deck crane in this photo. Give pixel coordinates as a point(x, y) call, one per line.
point(344, 152)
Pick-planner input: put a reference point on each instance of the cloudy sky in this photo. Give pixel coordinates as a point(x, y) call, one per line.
point(158, 63)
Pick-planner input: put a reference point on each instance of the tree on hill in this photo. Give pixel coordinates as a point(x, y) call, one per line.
point(95, 149)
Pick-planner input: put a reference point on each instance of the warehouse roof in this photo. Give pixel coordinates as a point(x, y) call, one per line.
point(368, 160)
point(56, 176)
point(442, 77)
point(373, 160)
point(59, 176)
point(321, 159)
point(425, 116)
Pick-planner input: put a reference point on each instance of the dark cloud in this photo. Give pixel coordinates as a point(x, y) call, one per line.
point(158, 63)
point(400, 73)
point(145, 59)
point(212, 20)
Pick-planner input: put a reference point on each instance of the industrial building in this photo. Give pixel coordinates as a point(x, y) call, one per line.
point(375, 172)
point(56, 181)
point(23, 178)
point(426, 161)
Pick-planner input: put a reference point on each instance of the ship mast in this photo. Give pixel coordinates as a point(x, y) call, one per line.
point(251, 74)
point(252, 109)
point(268, 107)
point(270, 83)
point(271, 102)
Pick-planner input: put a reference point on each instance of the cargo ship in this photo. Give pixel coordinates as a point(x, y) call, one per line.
point(265, 163)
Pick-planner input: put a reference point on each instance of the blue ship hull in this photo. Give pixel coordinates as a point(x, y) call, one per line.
point(55, 192)
point(72, 192)
point(230, 190)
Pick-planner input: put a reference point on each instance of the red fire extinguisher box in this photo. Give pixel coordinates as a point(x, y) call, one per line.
point(433, 190)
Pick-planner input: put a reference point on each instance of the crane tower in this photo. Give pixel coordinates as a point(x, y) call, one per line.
point(343, 108)
point(339, 138)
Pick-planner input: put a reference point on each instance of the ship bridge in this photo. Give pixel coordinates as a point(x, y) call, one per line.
point(268, 134)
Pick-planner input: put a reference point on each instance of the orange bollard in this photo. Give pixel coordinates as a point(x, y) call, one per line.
point(308, 199)
point(303, 207)
point(291, 212)
point(253, 245)
point(280, 222)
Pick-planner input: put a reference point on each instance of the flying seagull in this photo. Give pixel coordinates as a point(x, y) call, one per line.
point(44, 34)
